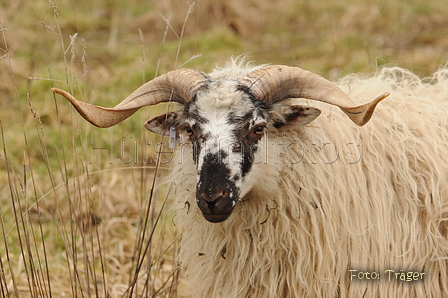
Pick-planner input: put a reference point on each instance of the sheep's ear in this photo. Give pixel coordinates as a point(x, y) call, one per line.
point(296, 115)
point(161, 124)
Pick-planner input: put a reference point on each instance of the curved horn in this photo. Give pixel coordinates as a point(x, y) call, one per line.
point(178, 85)
point(275, 83)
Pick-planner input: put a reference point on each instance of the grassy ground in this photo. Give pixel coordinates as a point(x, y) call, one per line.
point(78, 216)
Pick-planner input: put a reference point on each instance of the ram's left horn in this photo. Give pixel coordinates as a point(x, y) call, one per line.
point(275, 83)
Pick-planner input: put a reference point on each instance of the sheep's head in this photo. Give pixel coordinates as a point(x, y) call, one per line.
point(225, 120)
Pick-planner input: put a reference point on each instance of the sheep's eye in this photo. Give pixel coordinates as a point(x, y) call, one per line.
point(188, 130)
point(258, 130)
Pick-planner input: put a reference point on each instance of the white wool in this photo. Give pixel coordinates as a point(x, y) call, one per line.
point(333, 197)
point(237, 67)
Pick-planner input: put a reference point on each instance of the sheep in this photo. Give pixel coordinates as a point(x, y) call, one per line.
point(275, 201)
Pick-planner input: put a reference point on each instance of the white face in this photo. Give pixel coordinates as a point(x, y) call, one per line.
point(225, 127)
point(226, 124)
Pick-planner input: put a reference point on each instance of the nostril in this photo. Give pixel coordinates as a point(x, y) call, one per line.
point(213, 196)
point(224, 193)
point(216, 199)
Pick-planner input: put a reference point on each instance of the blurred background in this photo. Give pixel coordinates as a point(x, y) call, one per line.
point(83, 212)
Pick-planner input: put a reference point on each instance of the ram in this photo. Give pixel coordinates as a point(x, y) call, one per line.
point(275, 201)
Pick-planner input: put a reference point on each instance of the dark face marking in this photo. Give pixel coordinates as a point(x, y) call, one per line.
point(223, 159)
point(216, 193)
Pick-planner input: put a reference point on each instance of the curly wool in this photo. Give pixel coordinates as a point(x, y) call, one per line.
point(332, 197)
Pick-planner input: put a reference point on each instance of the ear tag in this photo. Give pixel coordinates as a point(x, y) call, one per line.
point(172, 137)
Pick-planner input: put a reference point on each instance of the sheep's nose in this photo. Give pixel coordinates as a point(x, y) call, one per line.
point(216, 204)
point(215, 200)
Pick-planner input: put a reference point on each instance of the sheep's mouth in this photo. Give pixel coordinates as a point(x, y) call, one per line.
point(215, 218)
point(215, 211)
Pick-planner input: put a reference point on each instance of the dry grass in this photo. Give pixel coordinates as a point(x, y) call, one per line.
point(82, 210)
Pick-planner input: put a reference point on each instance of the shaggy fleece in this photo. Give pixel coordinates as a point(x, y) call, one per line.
point(334, 204)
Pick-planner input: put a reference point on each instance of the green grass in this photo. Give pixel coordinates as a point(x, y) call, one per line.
point(73, 217)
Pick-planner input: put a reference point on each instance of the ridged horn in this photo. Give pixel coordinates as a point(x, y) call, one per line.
point(275, 83)
point(178, 85)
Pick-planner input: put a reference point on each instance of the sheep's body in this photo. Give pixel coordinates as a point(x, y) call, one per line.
point(333, 197)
